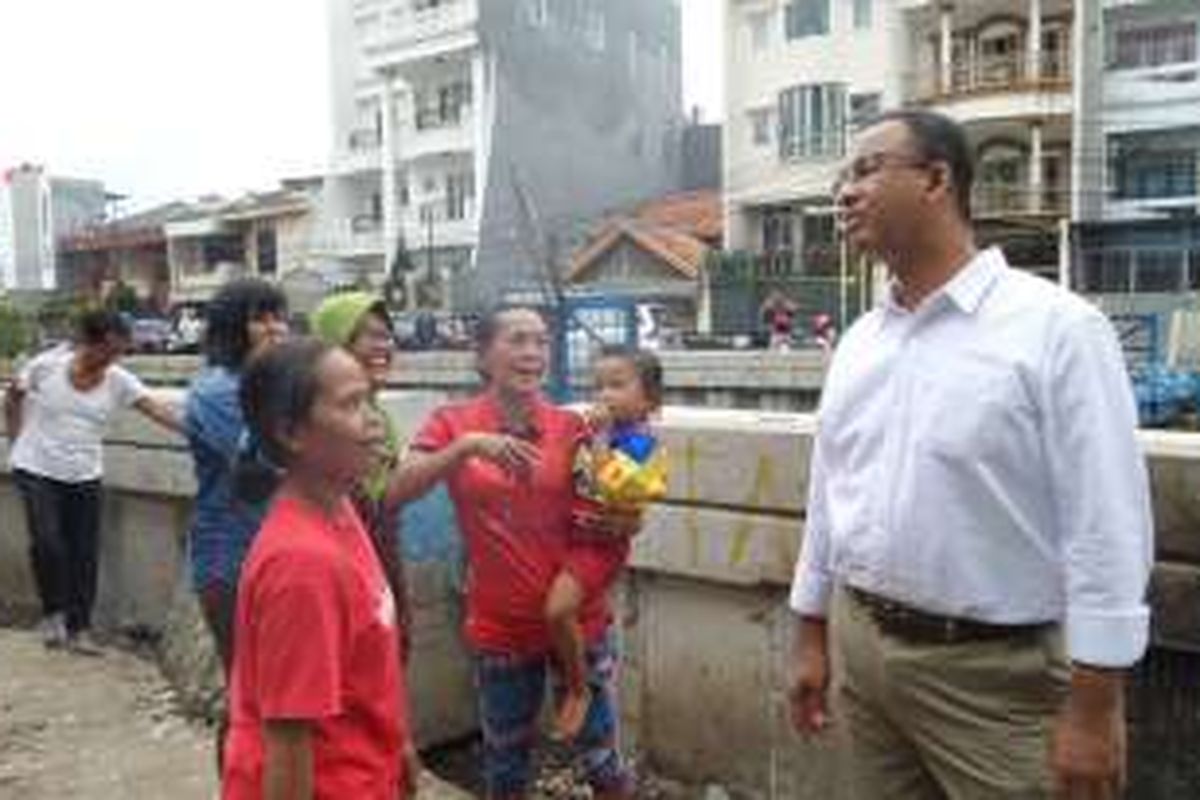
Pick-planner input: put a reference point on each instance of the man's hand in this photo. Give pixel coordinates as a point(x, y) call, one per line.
point(1088, 751)
point(808, 693)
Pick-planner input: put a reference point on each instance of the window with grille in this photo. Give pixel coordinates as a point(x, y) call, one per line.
point(759, 25)
point(1157, 46)
point(760, 127)
point(812, 121)
point(460, 191)
point(1156, 165)
point(862, 13)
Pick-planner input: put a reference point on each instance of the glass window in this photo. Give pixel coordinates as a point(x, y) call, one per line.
point(864, 108)
point(862, 13)
point(1157, 46)
point(597, 29)
point(1115, 272)
point(267, 254)
point(777, 233)
point(806, 18)
point(460, 191)
point(1160, 271)
point(1155, 165)
point(759, 23)
point(812, 121)
point(760, 125)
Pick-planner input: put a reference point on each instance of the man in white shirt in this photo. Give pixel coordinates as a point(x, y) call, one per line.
point(978, 537)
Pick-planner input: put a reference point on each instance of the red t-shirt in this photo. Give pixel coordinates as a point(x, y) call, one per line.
point(516, 530)
point(317, 641)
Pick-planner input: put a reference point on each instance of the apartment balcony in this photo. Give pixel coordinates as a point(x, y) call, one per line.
point(433, 133)
point(432, 226)
point(363, 153)
point(411, 34)
point(992, 201)
point(1001, 87)
point(1004, 59)
point(358, 236)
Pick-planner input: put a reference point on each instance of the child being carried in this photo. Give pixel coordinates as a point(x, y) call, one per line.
point(620, 467)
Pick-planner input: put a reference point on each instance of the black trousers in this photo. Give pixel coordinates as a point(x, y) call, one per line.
point(64, 533)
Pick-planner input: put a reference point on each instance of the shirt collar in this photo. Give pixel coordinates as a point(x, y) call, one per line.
point(969, 286)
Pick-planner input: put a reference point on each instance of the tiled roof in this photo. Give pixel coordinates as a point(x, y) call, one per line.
point(679, 230)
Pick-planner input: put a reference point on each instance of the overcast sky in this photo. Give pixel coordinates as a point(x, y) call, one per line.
point(164, 99)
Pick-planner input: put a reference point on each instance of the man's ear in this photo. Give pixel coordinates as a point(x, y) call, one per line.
point(940, 178)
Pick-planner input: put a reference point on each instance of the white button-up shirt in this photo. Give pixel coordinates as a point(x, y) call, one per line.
point(977, 458)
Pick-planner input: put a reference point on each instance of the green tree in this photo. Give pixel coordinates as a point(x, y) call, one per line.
point(16, 332)
point(123, 298)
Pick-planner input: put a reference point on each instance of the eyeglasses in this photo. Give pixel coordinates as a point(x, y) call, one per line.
point(864, 167)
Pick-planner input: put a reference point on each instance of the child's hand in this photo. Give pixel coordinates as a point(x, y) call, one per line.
point(598, 416)
point(622, 522)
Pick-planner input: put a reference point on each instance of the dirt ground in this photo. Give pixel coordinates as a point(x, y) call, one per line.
point(99, 728)
point(109, 728)
point(104, 729)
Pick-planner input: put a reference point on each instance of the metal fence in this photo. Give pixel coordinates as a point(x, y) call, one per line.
point(740, 283)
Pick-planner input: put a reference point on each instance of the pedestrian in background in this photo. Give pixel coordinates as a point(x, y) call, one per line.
point(978, 536)
point(244, 319)
point(57, 410)
point(359, 322)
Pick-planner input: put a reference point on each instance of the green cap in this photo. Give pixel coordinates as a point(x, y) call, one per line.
point(339, 315)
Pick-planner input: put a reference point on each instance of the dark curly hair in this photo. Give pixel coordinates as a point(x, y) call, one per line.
point(237, 304)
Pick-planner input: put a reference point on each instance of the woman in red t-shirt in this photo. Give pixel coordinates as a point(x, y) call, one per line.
point(507, 455)
point(318, 708)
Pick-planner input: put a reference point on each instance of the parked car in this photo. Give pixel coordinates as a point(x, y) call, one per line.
point(149, 335)
point(433, 330)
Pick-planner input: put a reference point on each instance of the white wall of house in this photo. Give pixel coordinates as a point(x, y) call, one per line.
point(1150, 93)
point(860, 51)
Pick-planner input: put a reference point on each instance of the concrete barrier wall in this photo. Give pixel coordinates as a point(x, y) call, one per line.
point(756, 379)
point(703, 619)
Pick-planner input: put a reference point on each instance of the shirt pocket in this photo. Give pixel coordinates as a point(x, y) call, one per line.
point(973, 412)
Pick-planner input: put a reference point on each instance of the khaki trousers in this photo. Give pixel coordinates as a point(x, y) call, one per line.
point(967, 721)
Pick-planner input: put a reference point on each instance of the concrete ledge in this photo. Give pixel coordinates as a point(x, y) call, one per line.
point(720, 546)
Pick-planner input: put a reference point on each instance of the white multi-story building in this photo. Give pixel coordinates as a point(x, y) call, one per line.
point(444, 109)
point(803, 74)
point(1137, 232)
point(35, 211)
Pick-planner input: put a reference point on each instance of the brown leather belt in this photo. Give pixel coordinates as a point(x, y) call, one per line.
point(921, 627)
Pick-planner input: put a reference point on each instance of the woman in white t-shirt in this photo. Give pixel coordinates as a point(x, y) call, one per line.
point(57, 410)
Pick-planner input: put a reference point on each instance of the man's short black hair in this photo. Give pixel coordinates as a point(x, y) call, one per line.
point(940, 139)
point(97, 325)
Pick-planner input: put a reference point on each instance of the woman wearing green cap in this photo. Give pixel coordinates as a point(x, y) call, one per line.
point(359, 322)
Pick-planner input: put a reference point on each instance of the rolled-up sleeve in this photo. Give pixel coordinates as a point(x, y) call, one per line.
point(812, 584)
point(1098, 474)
